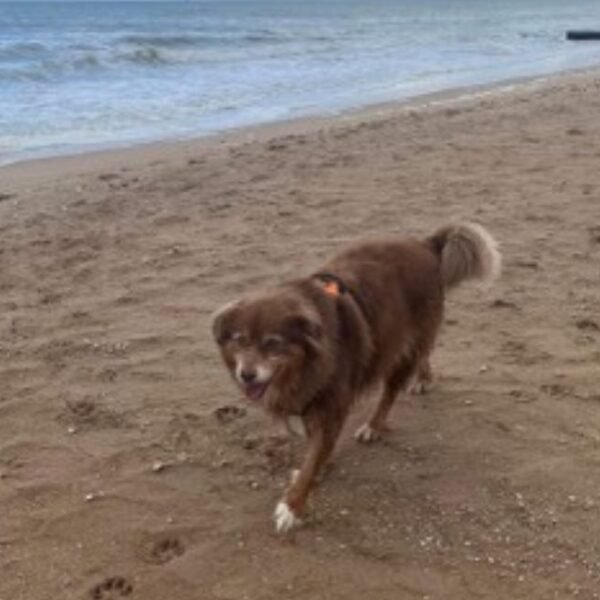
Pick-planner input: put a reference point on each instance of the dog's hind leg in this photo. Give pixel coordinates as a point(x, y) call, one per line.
point(422, 379)
point(398, 380)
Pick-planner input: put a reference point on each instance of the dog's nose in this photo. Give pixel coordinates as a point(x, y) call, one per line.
point(248, 375)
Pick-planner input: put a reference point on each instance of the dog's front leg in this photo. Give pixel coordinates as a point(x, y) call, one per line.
point(321, 440)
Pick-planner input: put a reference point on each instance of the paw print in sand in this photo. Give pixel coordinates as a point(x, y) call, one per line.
point(228, 413)
point(165, 550)
point(112, 588)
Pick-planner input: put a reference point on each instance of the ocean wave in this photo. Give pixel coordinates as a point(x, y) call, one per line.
point(163, 41)
point(204, 40)
point(148, 55)
point(48, 70)
point(36, 62)
point(22, 50)
point(50, 58)
point(87, 64)
point(69, 62)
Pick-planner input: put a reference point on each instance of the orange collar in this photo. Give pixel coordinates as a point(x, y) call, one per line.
point(332, 288)
point(335, 288)
point(331, 284)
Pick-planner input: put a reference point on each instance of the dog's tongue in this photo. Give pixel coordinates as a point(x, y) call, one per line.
point(254, 391)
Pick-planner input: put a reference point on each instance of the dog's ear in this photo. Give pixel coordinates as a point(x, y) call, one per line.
point(305, 328)
point(222, 322)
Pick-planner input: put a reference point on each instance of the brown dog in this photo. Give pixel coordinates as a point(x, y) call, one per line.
point(305, 349)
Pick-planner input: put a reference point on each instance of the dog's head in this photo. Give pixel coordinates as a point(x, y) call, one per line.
point(270, 345)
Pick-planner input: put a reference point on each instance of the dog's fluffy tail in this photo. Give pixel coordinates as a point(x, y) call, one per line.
point(466, 251)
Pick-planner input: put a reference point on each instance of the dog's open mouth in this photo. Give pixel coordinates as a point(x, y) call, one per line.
point(255, 391)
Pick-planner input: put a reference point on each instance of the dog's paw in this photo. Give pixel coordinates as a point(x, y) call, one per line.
point(366, 434)
point(284, 518)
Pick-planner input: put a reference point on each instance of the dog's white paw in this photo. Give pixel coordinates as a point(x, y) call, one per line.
point(284, 518)
point(366, 434)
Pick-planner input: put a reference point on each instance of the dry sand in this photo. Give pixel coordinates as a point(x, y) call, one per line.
point(119, 475)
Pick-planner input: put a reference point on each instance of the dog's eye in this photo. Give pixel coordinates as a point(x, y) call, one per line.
point(239, 338)
point(272, 344)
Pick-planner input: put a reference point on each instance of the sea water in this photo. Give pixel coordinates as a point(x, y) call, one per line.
point(78, 75)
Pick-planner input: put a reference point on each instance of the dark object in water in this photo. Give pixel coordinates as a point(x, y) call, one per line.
point(581, 35)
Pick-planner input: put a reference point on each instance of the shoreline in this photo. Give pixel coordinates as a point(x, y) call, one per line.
point(154, 149)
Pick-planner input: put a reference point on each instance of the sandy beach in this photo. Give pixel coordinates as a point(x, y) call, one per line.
point(130, 468)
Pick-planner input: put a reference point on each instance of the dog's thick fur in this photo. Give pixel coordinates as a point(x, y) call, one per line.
point(310, 346)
